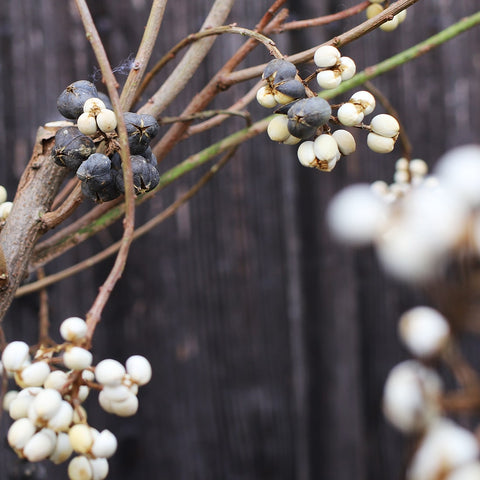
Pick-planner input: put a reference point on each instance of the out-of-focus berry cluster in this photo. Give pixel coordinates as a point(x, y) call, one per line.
point(376, 8)
point(5, 207)
point(420, 223)
point(49, 419)
point(308, 120)
point(90, 148)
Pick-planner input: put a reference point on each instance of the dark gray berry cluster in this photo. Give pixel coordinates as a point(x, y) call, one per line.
point(90, 148)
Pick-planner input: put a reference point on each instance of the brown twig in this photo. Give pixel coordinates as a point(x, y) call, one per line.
point(94, 314)
point(190, 62)
point(206, 114)
point(140, 231)
point(143, 54)
point(339, 41)
point(64, 193)
point(52, 219)
point(324, 20)
point(43, 314)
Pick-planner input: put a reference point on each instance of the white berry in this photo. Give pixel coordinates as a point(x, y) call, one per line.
point(139, 369)
point(350, 114)
point(326, 56)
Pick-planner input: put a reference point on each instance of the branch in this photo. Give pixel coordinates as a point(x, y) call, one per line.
point(189, 63)
point(95, 312)
point(37, 189)
point(325, 20)
point(143, 54)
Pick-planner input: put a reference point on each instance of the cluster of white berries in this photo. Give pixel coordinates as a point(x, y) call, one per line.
point(96, 117)
point(49, 419)
point(376, 8)
point(5, 207)
point(416, 232)
point(307, 119)
point(334, 69)
point(412, 403)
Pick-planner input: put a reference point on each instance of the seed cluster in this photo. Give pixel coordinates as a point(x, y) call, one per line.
point(376, 8)
point(307, 121)
point(412, 402)
point(49, 419)
point(5, 207)
point(90, 148)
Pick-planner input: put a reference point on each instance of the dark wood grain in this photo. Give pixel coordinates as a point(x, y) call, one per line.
point(269, 343)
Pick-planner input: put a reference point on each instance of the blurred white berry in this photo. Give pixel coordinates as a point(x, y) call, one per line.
point(418, 167)
point(81, 437)
point(99, 468)
point(5, 209)
point(8, 398)
point(347, 68)
point(326, 148)
point(373, 10)
point(139, 369)
point(365, 99)
point(459, 172)
point(424, 331)
point(265, 97)
point(63, 449)
point(104, 445)
point(277, 130)
point(109, 372)
point(350, 114)
point(56, 380)
point(20, 432)
point(326, 56)
point(73, 329)
point(401, 16)
point(390, 25)
point(379, 143)
point(401, 176)
point(345, 141)
point(444, 448)
point(468, 471)
point(329, 79)
point(411, 396)
point(127, 407)
point(79, 468)
point(77, 358)
point(3, 194)
point(93, 106)
point(40, 446)
point(380, 188)
point(15, 356)
point(33, 375)
point(46, 403)
point(62, 419)
point(356, 215)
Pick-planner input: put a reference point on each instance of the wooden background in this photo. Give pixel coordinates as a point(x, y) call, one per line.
point(269, 343)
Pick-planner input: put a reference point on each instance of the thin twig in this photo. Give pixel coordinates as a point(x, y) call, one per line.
point(206, 114)
point(324, 20)
point(43, 314)
point(94, 314)
point(143, 54)
point(190, 62)
point(140, 231)
point(64, 193)
point(339, 41)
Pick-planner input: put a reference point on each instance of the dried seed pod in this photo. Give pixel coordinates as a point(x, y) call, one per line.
point(71, 100)
point(96, 171)
point(72, 148)
point(106, 193)
point(313, 112)
point(140, 129)
point(145, 176)
point(279, 70)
